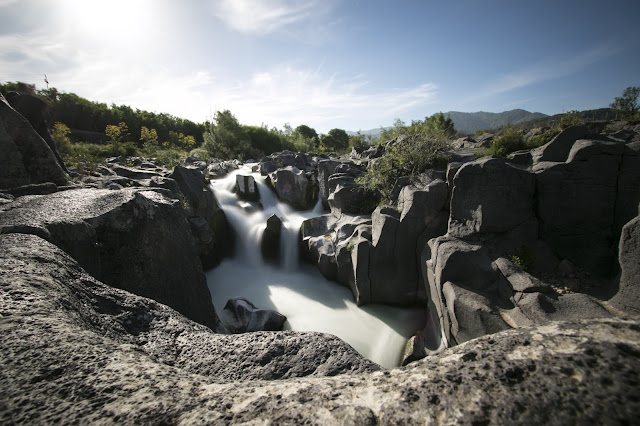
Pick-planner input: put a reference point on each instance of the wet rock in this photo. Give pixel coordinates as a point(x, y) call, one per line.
point(293, 187)
point(246, 188)
point(245, 317)
point(270, 244)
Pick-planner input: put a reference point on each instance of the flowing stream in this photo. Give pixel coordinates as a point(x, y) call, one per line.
point(298, 290)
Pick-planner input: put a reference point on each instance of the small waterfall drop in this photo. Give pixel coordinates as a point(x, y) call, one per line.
point(299, 291)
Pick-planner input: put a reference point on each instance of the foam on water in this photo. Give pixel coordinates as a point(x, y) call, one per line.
point(299, 291)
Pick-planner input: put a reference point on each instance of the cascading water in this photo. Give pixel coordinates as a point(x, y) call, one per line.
point(299, 291)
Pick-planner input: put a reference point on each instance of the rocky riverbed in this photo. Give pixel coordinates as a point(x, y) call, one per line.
point(106, 316)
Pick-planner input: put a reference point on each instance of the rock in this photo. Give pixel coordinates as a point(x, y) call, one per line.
point(627, 297)
point(471, 314)
point(137, 240)
point(293, 187)
point(518, 279)
point(557, 149)
point(246, 188)
point(462, 143)
point(490, 195)
point(34, 110)
point(348, 197)
point(68, 355)
point(198, 201)
point(325, 169)
point(484, 140)
point(80, 333)
point(246, 317)
point(270, 244)
point(541, 308)
point(575, 204)
point(628, 193)
point(26, 157)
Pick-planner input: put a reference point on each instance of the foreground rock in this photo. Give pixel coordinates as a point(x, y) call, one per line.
point(76, 351)
point(52, 309)
point(137, 240)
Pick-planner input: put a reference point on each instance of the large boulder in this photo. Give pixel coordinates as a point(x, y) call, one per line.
point(557, 149)
point(26, 157)
point(492, 196)
point(246, 188)
point(294, 187)
point(137, 240)
point(200, 204)
point(271, 239)
point(576, 204)
point(628, 296)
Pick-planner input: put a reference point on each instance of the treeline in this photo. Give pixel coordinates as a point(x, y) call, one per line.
point(83, 115)
point(76, 119)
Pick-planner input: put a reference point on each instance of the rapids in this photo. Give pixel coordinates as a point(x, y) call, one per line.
point(298, 290)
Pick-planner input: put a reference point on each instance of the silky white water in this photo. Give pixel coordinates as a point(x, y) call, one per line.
point(299, 291)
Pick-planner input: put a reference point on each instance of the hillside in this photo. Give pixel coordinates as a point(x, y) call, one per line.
point(471, 122)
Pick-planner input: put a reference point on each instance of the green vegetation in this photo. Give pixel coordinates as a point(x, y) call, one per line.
point(523, 258)
point(417, 148)
point(627, 105)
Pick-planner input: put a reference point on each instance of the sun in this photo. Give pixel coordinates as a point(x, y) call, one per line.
point(106, 21)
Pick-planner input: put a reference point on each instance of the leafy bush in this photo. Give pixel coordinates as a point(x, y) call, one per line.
point(511, 140)
point(406, 158)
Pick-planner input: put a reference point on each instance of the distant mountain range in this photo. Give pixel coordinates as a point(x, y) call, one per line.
point(471, 122)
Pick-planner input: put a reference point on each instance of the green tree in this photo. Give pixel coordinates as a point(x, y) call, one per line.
point(60, 134)
point(627, 104)
point(225, 138)
point(308, 133)
point(149, 137)
point(336, 140)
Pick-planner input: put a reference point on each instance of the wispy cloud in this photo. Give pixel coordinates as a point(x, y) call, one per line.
point(267, 16)
point(544, 70)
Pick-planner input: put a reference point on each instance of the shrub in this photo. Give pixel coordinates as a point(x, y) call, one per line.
point(523, 258)
point(407, 157)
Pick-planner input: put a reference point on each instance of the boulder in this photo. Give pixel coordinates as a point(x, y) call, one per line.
point(34, 110)
point(557, 149)
point(628, 194)
point(246, 188)
point(198, 201)
point(348, 197)
point(491, 196)
point(325, 169)
point(26, 157)
point(293, 187)
point(270, 243)
point(137, 240)
point(245, 317)
point(576, 202)
point(628, 296)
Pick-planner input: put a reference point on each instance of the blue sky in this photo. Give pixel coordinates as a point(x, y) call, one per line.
point(351, 64)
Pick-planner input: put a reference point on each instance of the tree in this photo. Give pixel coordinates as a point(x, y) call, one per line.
point(336, 139)
point(308, 133)
point(148, 136)
point(226, 138)
point(60, 134)
point(627, 104)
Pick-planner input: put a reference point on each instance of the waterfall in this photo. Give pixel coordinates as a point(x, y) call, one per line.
point(299, 291)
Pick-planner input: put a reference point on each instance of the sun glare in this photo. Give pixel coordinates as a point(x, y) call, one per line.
point(130, 21)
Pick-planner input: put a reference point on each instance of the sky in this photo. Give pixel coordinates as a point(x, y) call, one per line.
point(349, 64)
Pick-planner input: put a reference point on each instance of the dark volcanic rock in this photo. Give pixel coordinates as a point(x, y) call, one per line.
point(246, 317)
point(76, 351)
point(26, 158)
point(137, 240)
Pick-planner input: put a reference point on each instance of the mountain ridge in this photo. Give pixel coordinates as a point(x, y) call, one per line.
point(471, 122)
